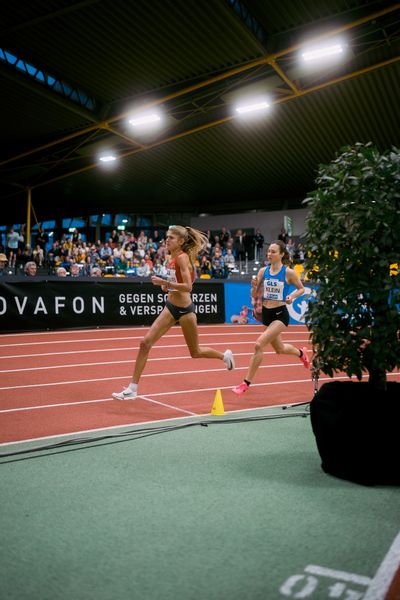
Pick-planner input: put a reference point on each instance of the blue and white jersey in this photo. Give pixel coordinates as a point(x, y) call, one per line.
point(275, 286)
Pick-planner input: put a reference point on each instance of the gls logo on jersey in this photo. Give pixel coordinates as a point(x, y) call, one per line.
point(273, 289)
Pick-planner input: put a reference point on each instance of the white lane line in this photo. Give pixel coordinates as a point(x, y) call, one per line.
point(175, 392)
point(85, 351)
point(171, 373)
point(123, 426)
point(60, 405)
point(340, 575)
point(84, 331)
point(156, 394)
point(116, 339)
point(384, 576)
point(188, 412)
point(191, 391)
point(115, 362)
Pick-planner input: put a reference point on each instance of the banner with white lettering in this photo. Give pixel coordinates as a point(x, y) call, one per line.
point(62, 303)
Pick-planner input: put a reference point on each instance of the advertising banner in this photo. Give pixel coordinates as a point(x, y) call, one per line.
point(39, 303)
point(238, 304)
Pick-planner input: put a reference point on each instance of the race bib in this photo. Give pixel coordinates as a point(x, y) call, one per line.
point(273, 289)
point(171, 275)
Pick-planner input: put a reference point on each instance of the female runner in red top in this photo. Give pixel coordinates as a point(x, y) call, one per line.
point(183, 244)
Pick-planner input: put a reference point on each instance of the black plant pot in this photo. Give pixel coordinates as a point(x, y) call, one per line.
point(357, 430)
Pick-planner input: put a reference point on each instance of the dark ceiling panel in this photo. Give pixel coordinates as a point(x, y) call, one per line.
point(126, 53)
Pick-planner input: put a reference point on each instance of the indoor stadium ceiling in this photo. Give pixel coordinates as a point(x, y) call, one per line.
point(72, 72)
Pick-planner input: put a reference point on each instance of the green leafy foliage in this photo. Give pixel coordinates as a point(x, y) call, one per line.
point(352, 237)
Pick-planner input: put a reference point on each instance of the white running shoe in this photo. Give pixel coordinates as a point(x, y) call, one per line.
point(127, 394)
point(229, 360)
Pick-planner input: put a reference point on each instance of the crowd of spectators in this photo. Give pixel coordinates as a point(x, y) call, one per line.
point(126, 254)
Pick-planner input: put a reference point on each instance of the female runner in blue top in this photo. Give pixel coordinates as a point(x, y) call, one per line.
point(275, 280)
point(183, 245)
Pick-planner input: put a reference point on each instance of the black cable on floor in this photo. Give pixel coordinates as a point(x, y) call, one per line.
point(147, 431)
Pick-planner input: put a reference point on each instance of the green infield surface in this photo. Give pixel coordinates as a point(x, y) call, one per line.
point(230, 510)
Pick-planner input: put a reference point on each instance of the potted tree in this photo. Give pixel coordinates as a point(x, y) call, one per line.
point(353, 246)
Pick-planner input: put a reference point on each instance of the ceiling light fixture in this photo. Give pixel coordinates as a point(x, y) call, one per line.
point(144, 119)
point(252, 107)
point(319, 52)
point(107, 158)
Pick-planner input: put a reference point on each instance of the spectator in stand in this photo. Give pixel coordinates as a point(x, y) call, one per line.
point(121, 265)
point(159, 268)
point(38, 255)
point(105, 251)
point(117, 251)
point(208, 246)
point(3, 265)
point(80, 257)
point(76, 236)
point(217, 249)
point(258, 245)
point(156, 237)
point(283, 236)
point(148, 261)
point(205, 266)
point(162, 251)
point(128, 254)
point(26, 255)
point(142, 243)
point(300, 252)
point(41, 239)
point(224, 236)
point(66, 247)
point(12, 246)
point(217, 268)
point(21, 242)
point(114, 237)
point(239, 246)
point(151, 246)
point(229, 260)
point(30, 269)
point(215, 241)
point(96, 272)
point(290, 247)
point(74, 270)
point(131, 240)
point(61, 272)
point(143, 270)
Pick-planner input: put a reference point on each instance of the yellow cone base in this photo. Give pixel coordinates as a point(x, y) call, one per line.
point(218, 406)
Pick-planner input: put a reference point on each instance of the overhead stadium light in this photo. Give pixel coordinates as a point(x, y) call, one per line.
point(146, 119)
point(107, 158)
point(329, 50)
point(254, 106)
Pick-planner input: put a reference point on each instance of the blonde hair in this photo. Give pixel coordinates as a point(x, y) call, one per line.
point(195, 241)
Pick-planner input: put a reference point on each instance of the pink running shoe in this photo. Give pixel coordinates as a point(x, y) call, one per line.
point(240, 389)
point(304, 359)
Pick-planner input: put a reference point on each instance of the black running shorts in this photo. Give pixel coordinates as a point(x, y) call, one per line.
point(279, 313)
point(179, 311)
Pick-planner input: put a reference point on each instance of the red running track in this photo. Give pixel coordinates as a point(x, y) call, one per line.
point(60, 383)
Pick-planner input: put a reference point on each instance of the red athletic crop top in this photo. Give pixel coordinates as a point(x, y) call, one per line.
point(174, 273)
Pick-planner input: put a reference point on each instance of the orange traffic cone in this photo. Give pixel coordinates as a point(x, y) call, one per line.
point(218, 406)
